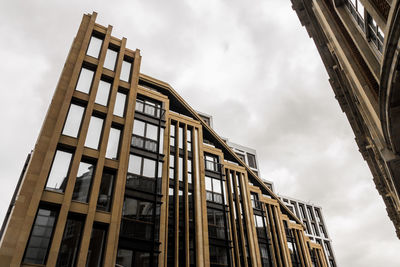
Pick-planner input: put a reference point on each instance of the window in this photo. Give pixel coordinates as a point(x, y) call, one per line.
point(126, 71)
point(189, 140)
point(113, 143)
point(189, 170)
point(142, 166)
point(314, 229)
point(260, 227)
point(181, 169)
point(119, 108)
point(181, 137)
point(218, 256)
point(303, 212)
point(73, 121)
point(83, 182)
point(94, 47)
point(322, 230)
point(171, 166)
point(214, 190)
point(94, 132)
point(141, 173)
point(328, 249)
point(216, 223)
point(255, 202)
point(85, 80)
point(137, 218)
point(310, 213)
point(252, 160)
point(96, 246)
point(356, 9)
point(57, 179)
point(103, 92)
point(69, 248)
point(211, 163)
point(111, 59)
point(375, 34)
point(148, 107)
point(128, 258)
point(172, 135)
point(242, 157)
point(145, 135)
point(318, 213)
point(105, 192)
point(39, 240)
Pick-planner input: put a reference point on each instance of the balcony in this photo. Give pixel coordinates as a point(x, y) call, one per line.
point(148, 108)
point(212, 166)
point(144, 143)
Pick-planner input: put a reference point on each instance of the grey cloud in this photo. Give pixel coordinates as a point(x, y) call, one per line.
point(252, 66)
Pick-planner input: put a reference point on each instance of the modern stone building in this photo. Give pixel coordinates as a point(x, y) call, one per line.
point(126, 173)
point(316, 229)
point(358, 41)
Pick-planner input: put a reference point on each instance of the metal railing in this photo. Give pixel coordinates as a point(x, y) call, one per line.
point(212, 166)
point(144, 143)
point(150, 109)
point(256, 204)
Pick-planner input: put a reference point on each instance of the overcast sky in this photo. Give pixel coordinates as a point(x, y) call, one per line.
point(249, 64)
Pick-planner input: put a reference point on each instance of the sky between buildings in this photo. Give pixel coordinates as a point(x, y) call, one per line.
point(248, 63)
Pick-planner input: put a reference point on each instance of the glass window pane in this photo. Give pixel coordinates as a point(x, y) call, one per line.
point(208, 183)
point(111, 59)
point(181, 137)
point(161, 146)
point(130, 209)
point(73, 121)
point(138, 127)
point(119, 107)
point(85, 80)
point(125, 71)
point(96, 247)
point(217, 186)
point(124, 257)
point(94, 47)
point(103, 92)
point(149, 167)
point(151, 131)
point(113, 143)
point(360, 9)
point(68, 253)
point(94, 132)
point(134, 164)
point(105, 192)
point(59, 171)
point(38, 244)
point(180, 169)
point(83, 182)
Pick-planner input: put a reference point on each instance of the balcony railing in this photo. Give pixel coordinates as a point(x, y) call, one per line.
point(147, 108)
point(214, 197)
point(212, 166)
point(144, 143)
point(256, 204)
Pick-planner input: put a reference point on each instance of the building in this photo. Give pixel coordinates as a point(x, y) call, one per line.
point(310, 214)
point(313, 219)
point(358, 42)
point(125, 173)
